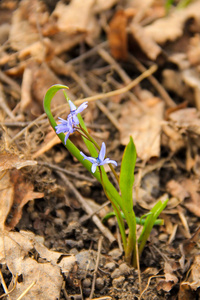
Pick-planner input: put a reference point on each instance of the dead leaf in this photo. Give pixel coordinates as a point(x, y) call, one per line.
point(177, 190)
point(23, 192)
point(6, 196)
point(76, 17)
point(146, 43)
point(192, 283)
point(24, 30)
point(192, 204)
point(144, 127)
point(46, 275)
point(170, 278)
point(101, 5)
point(193, 52)
point(11, 160)
point(171, 27)
point(117, 35)
point(187, 119)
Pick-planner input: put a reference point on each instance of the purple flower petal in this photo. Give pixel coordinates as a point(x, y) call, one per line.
point(75, 119)
point(90, 159)
point(102, 152)
point(83, 106)
point(93, 169)
point(72, 106)
point(66, 137)
point(109, 161)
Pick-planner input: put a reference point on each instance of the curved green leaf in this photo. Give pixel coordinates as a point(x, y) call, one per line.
point(127, 174)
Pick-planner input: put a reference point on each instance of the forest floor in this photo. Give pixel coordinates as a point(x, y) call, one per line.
point(137, 63)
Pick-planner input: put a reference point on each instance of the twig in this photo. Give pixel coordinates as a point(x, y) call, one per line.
point(96, 267)
point(101, 96)
point(123, 90)
point(14, 287)
point(87, 208)
point(27, 290)
point(70, 173)
point(87, 54)
point(168, 100)
point(4, 105)
point(11, 82)
point(4, 286)
point(154, 276)
point(109, 59)
point(85, 218)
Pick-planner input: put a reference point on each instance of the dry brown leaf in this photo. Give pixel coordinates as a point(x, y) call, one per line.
point(191, 78)
point(7, 189)
point(11, 160)
point(50, 140)
point(24, 30)
point(187, 119)
point(101, 5)
point(171, 27)
point(187, 191)
point(6, 196)
point(144, 127)
point(172, 139)
point(146, 43)
point(193, 52)
point(77, 17)
point(177, 190)
point(192, 283)
point(23, 192)
point(170, 278)
point(117, 35)
point(15, 192)
point(193, 204)
point(46, 275)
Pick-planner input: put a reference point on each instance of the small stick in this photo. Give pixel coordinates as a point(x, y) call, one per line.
point(15, 284)
point(4, 105)
point(96, 266)
point(101, 96)
point(27, 290)
point(120, 91)
point(4, 286)
point(70, 173)
point(163, 93)
point(154, 276)
point(87, 208)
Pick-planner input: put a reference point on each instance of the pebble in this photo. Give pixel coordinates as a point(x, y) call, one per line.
point(115, 253)
point(116, 273)
point(99, 284)
point(110, 266)
point(58, 221)
point(124, 269)
point(86, 292)
point(118, 282)
point(86, 283)
point(60, 213)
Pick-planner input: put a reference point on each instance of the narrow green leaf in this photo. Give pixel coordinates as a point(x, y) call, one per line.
point(149, 223)
point(127, 174)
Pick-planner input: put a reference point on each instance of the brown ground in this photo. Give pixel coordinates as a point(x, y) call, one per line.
point(52, 240)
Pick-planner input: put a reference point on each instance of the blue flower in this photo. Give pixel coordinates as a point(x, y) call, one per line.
point(99, 161)
point(72, 121)
point(75, 111)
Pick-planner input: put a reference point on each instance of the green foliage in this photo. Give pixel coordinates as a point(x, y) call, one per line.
point(122, 204)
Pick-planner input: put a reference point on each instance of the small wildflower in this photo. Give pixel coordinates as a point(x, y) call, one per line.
point(99, 161)
point(75, 111)
point(72, 121)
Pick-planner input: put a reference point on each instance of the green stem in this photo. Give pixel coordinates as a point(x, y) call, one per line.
point(117, 213)
point(130, 251)
point(139, 221)
point(98, 147)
